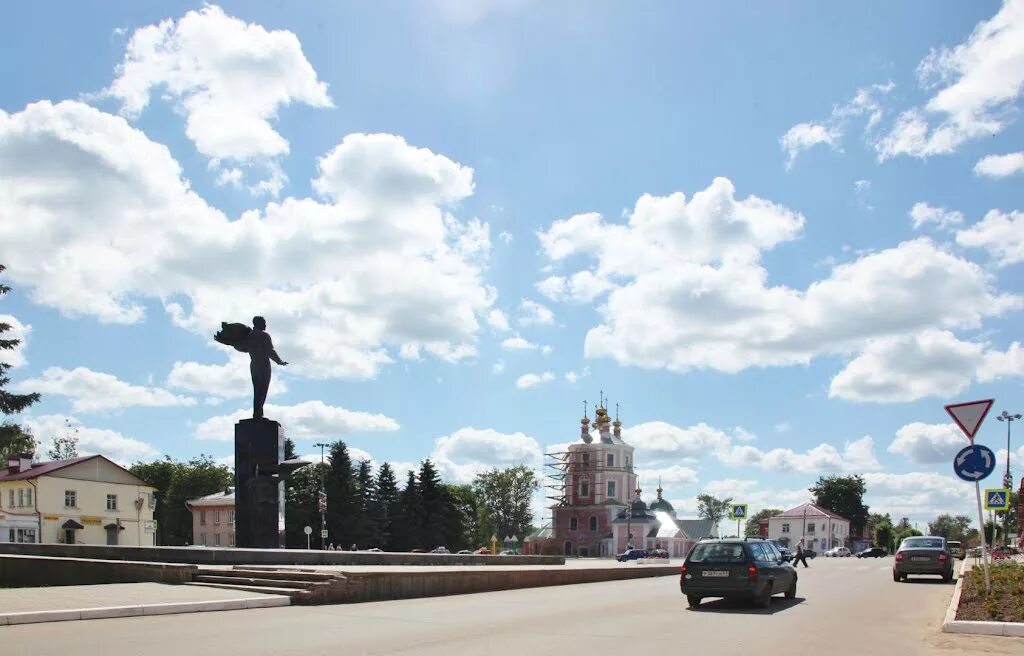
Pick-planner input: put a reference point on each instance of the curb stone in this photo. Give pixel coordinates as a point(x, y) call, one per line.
point(953, 625)
point(34, 617)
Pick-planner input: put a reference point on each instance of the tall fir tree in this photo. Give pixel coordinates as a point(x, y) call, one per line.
point(13, 439)
point(363, 529)
point(341, 501)
point(434, 518)
point(406, 531)
point(385, 505)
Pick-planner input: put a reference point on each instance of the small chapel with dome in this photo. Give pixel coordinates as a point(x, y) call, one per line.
point(598, 505)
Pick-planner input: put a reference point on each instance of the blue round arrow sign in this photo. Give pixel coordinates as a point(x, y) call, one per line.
point(974, 462)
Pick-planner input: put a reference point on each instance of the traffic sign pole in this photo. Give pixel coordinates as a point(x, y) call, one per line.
point(984, 550)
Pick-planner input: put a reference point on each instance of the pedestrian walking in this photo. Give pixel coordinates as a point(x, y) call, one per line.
point(800, 556)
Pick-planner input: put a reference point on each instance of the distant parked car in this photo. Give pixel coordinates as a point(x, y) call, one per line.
point(375, 549)
point(927, 554)
point(871, 552)
point(631, 554)
point(838, 552)
point(508, 552)
point(463, 552)
point(787, 554)
point(483, 551)
point(956, 548)
point(440, 550)
point(657, 553)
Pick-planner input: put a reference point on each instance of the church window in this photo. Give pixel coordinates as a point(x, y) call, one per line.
point(611, 489)
point(584, 488)
point(611, 460)
point(586, 458)
point(574, 523)
point(593, 523)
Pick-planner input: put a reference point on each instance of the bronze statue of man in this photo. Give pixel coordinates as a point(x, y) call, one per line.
point(261, 351)
point(256, 342)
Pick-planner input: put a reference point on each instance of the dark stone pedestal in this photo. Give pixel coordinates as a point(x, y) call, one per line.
point(259, 493)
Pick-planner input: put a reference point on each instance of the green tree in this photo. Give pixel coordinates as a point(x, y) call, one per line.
point(301, 506)
point(709, 507)
point(434, 505)
point(883, 529)
point(176, 483)
point(753, 525)
point(904, 529)
point(385, 505)
point(949, 527)
point(14, 440)
point(505, 496)
point(65, 447)
point(289, 448)
point(364, 530)
point(465, 505)
point(339, 484)
point(843, 495)
point(406, 528)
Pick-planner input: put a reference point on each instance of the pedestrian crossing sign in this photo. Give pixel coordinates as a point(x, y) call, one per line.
point(738, 511)
point(997, 499)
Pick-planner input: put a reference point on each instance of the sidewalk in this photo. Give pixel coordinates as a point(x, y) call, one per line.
point(75, 602)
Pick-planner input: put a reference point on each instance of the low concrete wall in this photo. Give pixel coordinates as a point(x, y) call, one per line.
point(209, 556)
point(42, 571)
point(383, 586)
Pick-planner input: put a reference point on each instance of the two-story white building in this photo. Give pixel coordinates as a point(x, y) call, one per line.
point(810, 525)
point(87, 500)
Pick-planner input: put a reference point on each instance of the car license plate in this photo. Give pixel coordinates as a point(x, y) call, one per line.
point(716, 572)
point(920, 559)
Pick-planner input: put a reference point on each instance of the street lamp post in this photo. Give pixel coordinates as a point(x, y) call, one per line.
point(322, 506)
point(1007, 479)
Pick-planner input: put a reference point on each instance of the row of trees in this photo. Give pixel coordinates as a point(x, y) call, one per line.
point(364, 507)
point(371, 509)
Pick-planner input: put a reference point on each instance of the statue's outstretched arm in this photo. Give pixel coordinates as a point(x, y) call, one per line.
point(273, 354)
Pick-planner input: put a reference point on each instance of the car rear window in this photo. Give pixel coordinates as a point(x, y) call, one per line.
point(922, 543)
point(717, 553)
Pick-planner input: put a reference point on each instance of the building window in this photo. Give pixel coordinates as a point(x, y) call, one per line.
point(216, 539)
point(10, 501)
point(216, 518)
point(10, 535)
point(28, 497)
point(202, 539)
point(202, 518)
point(231, 517)
point(810, 527)
point(231, 540)
point(785, 528)
point(585, 488)
point(111, 502)
point(611, 489)
point(611, 460)
point(586, 458)
point(593, 523)
point(70, 499)
point(26, 535)
point(21, 497)
point(574, 523)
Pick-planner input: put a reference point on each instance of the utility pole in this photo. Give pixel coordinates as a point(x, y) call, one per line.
point(322, 498)
point(1007, 479)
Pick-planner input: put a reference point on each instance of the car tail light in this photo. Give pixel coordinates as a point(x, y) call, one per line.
point(899, 558)
point(682, 570)
point(942, 557)
point(752, 573)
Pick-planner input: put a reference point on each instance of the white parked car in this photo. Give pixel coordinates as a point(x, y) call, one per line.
point(838, 552)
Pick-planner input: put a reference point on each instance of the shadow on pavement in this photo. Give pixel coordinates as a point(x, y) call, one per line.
point(744, 607)
point(930, 580)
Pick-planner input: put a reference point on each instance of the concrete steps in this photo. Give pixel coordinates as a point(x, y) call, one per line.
point(303, 586)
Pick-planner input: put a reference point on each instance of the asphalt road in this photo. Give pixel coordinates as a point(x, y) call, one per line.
point(843, 606)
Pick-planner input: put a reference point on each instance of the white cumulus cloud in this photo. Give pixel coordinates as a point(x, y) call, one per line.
point(228, 78)
point(91, 441)
point(94, 391)
point(923, 214)
point(469, 451)
point(999, 233)
point(1000, 166)
point(928, 444)
point(527, 381)
point(303, 420)
point(532, 313)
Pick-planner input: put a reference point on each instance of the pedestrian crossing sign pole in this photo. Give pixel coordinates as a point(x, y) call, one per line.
point(738, 511)
point(997, 499)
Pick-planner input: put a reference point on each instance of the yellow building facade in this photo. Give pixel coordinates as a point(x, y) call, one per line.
point(87, 500)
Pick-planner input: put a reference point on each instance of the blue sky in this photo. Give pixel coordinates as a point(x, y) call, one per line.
point(781, 237)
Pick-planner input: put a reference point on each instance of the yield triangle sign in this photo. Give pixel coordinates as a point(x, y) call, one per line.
point(968, 416)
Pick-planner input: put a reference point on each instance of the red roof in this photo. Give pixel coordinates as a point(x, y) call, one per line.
point(42, 468)
point(811, 510)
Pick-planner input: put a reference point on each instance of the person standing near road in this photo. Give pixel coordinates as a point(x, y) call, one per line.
point(800, 555)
